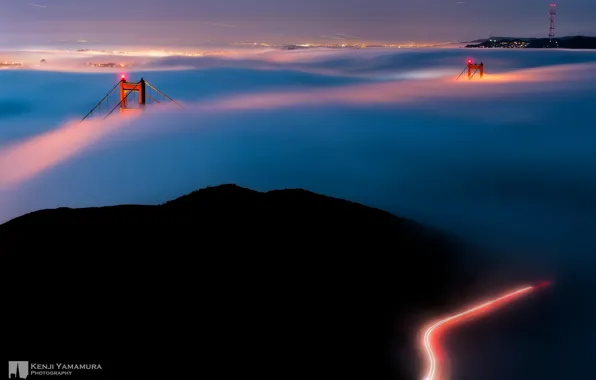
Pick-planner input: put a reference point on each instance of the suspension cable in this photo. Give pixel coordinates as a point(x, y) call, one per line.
point(101, 101)
point(123, 99)
point(164, 95)
point(461, 73)
point(155, 100)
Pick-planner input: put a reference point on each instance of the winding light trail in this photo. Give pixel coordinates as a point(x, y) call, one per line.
point(429, 341)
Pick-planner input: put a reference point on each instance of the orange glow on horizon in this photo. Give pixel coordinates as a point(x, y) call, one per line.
point(430, 339)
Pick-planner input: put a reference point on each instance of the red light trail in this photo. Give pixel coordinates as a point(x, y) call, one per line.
point(429, 341)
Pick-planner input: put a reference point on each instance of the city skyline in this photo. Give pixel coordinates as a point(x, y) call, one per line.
point(285, 21)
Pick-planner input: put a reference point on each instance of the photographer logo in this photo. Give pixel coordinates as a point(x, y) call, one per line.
point(22, 370)
point(18, 370)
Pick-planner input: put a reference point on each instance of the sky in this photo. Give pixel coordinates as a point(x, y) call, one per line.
point(285, 21)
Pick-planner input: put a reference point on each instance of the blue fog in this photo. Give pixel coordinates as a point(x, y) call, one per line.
point(511, 165)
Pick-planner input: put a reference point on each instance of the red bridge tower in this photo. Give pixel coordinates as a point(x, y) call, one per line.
point(126, 88)
point(473, 68)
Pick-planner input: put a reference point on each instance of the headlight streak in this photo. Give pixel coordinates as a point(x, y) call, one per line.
point(432, 372)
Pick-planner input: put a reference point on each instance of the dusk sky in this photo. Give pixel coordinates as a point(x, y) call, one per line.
point(285, 21)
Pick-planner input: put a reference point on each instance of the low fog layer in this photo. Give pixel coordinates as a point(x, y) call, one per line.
point(507, 161)
point(365, 124)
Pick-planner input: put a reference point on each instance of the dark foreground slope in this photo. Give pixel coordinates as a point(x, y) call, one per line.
point(285, 284)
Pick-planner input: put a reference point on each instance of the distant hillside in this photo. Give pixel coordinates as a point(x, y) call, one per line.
point(285, 284)
point(571, 42)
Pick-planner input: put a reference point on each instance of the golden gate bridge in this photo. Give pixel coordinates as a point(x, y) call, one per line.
point(132, 96)
point(137, 95)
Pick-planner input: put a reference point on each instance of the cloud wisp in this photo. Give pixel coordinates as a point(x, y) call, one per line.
point(24, 160)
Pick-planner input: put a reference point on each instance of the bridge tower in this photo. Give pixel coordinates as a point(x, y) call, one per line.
point(475, 67)
point(472, 68)
point(126, 88)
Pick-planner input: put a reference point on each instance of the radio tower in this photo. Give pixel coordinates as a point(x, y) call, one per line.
point(552, 11)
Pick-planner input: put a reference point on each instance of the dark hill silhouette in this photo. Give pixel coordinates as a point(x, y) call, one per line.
point(227, 211)
point(279, 285)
